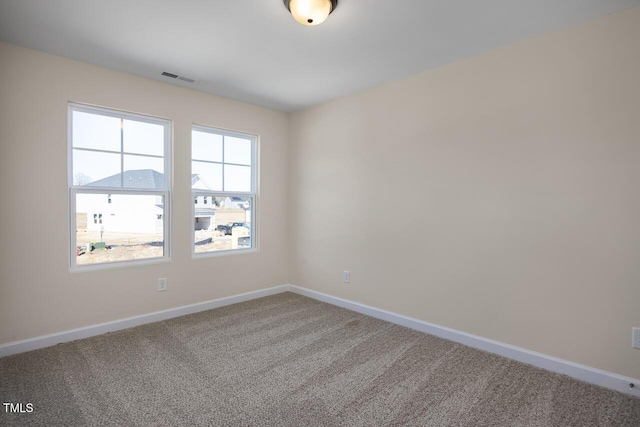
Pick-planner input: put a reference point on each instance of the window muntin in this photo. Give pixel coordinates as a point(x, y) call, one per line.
point(118, 188)
point(223, 176)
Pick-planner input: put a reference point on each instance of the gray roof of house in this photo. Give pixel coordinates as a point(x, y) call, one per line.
point(142, 178)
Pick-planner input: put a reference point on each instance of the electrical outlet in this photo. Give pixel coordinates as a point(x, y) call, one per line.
point(636, 338)
point(346, 276)
point(162, 284)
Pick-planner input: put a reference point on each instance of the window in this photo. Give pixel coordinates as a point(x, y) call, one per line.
point(118, 176)
point(223, 170)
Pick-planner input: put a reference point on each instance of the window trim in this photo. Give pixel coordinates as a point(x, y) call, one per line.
point(74, 190)
point(253, 195)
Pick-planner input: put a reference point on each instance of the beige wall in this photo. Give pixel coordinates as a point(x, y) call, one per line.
point(38, 295)
point(519, 171)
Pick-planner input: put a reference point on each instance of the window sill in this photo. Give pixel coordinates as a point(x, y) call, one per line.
point(227, 252)
point(118, 264)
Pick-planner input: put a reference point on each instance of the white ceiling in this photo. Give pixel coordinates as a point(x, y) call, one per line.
point(253, 50)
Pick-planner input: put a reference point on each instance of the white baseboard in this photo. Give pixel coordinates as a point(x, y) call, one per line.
point(550, 363)
point(116, 325)
point(581, 372)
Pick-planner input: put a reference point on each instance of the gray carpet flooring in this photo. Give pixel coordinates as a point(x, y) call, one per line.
point(292, 361)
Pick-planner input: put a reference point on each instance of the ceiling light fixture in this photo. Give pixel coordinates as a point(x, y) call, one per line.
point(310, 12)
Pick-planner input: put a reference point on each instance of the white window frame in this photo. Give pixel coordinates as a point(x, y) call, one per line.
point(253, 194)
point(74, 190)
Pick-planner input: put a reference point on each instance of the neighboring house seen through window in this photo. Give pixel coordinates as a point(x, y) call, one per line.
point(223, 182)
point(118, 176)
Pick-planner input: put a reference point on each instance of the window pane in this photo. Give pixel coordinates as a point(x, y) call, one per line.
point(96, 131)
point(143, 172)
point(237, 150)
point(143, 138)
point(237, 178)
point(222, 164)
point(130, 227)
point(94, 169)
point(206, 146)
point(223, 225)
point(206, 176)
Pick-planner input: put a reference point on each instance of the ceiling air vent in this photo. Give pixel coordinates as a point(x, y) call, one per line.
point(175, 76)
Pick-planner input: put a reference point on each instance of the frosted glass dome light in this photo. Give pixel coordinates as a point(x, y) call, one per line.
point(310, 12)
